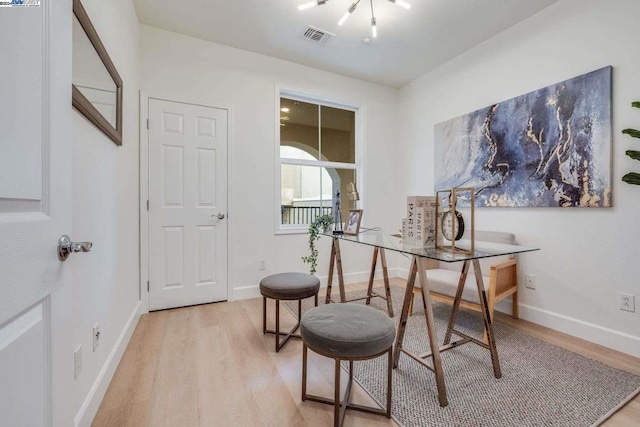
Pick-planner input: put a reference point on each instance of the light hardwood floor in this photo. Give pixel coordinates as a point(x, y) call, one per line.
point(210, 365)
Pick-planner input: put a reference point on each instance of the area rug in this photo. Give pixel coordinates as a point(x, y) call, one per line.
point(541, 384)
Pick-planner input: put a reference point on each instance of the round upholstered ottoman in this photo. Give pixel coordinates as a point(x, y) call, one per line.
point(286, 286)
point(347, 332)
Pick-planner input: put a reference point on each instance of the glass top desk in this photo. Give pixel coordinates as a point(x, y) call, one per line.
point(381, 241)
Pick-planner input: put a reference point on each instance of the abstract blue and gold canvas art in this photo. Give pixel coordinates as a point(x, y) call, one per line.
point(548, 148)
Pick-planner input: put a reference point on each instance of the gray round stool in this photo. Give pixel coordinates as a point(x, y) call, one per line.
point(347, 332)
point(286, 286)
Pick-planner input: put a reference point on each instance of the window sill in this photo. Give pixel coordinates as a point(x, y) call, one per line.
point(292, 230)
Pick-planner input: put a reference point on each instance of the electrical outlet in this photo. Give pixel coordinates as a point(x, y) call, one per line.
point(96, 336)
point(627, 302)
point(262, 264)
point(77, 362)
point(530, 281)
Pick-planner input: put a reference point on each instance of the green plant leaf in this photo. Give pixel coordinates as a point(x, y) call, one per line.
point(633, 154)
point(636, 104)
point(632, 178)
point(321, 223)
point(632, 132)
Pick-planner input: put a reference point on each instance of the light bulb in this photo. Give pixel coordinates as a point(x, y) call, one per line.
point(401, 3)
point(374, 29)
point(311, 4)
point(307, 5)
point(344, 18)
point(347, 13)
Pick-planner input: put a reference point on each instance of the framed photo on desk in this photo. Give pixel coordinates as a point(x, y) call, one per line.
point(353, 222)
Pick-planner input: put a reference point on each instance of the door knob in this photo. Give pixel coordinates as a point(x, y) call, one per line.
point(219, 216)
point(66, 247)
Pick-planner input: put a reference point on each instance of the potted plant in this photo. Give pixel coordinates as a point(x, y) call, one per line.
point(632, 177)
point(320, 224)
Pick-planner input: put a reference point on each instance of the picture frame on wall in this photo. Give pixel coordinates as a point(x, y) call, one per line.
point(352, 227)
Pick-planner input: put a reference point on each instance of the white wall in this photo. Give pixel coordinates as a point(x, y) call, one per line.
point(190, 69)
point(105, 211)
point(587, 256)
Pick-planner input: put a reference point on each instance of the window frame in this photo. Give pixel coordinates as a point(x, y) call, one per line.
point(358, 165)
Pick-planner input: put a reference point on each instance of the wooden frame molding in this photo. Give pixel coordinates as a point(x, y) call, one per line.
point(79, 101)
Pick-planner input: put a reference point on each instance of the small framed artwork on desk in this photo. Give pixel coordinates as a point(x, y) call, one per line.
point(353, 222)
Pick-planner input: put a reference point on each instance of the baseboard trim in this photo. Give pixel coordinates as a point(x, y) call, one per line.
point(620, 341)
point(359, 276)
point(248, 292)
point(245, 292)
point(91, 403)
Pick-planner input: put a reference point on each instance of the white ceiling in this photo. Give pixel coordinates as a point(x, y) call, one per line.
point(410, 42)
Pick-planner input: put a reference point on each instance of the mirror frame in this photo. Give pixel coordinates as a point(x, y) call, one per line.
point(79, 101)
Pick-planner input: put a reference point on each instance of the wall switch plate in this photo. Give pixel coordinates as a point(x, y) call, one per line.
point(96, 336)
point(77, 362)
point(530, 281)
point(627, 302)
point(262, 264)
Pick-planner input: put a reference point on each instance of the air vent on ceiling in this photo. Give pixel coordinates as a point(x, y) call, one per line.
point(317, 35)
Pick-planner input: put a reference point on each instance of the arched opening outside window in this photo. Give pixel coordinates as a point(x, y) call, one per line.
point(306, 191)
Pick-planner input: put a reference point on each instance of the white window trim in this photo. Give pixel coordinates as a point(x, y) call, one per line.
point(302, 162)
point(358, 166)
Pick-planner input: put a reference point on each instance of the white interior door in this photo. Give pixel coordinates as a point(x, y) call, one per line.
point(187, 204)
point(36, 354)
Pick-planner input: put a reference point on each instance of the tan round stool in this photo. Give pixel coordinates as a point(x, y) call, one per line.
point(286, 286)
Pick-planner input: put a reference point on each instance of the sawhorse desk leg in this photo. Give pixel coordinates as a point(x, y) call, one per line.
point(418, 267)
point(335, 259)
point(385, 275)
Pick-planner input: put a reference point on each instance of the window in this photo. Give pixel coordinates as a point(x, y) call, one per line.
point(317, 159)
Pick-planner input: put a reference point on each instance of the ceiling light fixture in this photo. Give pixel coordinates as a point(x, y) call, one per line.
point(352, 8)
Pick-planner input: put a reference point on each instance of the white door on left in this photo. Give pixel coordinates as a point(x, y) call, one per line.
point(36, 353)
point(187, 204)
